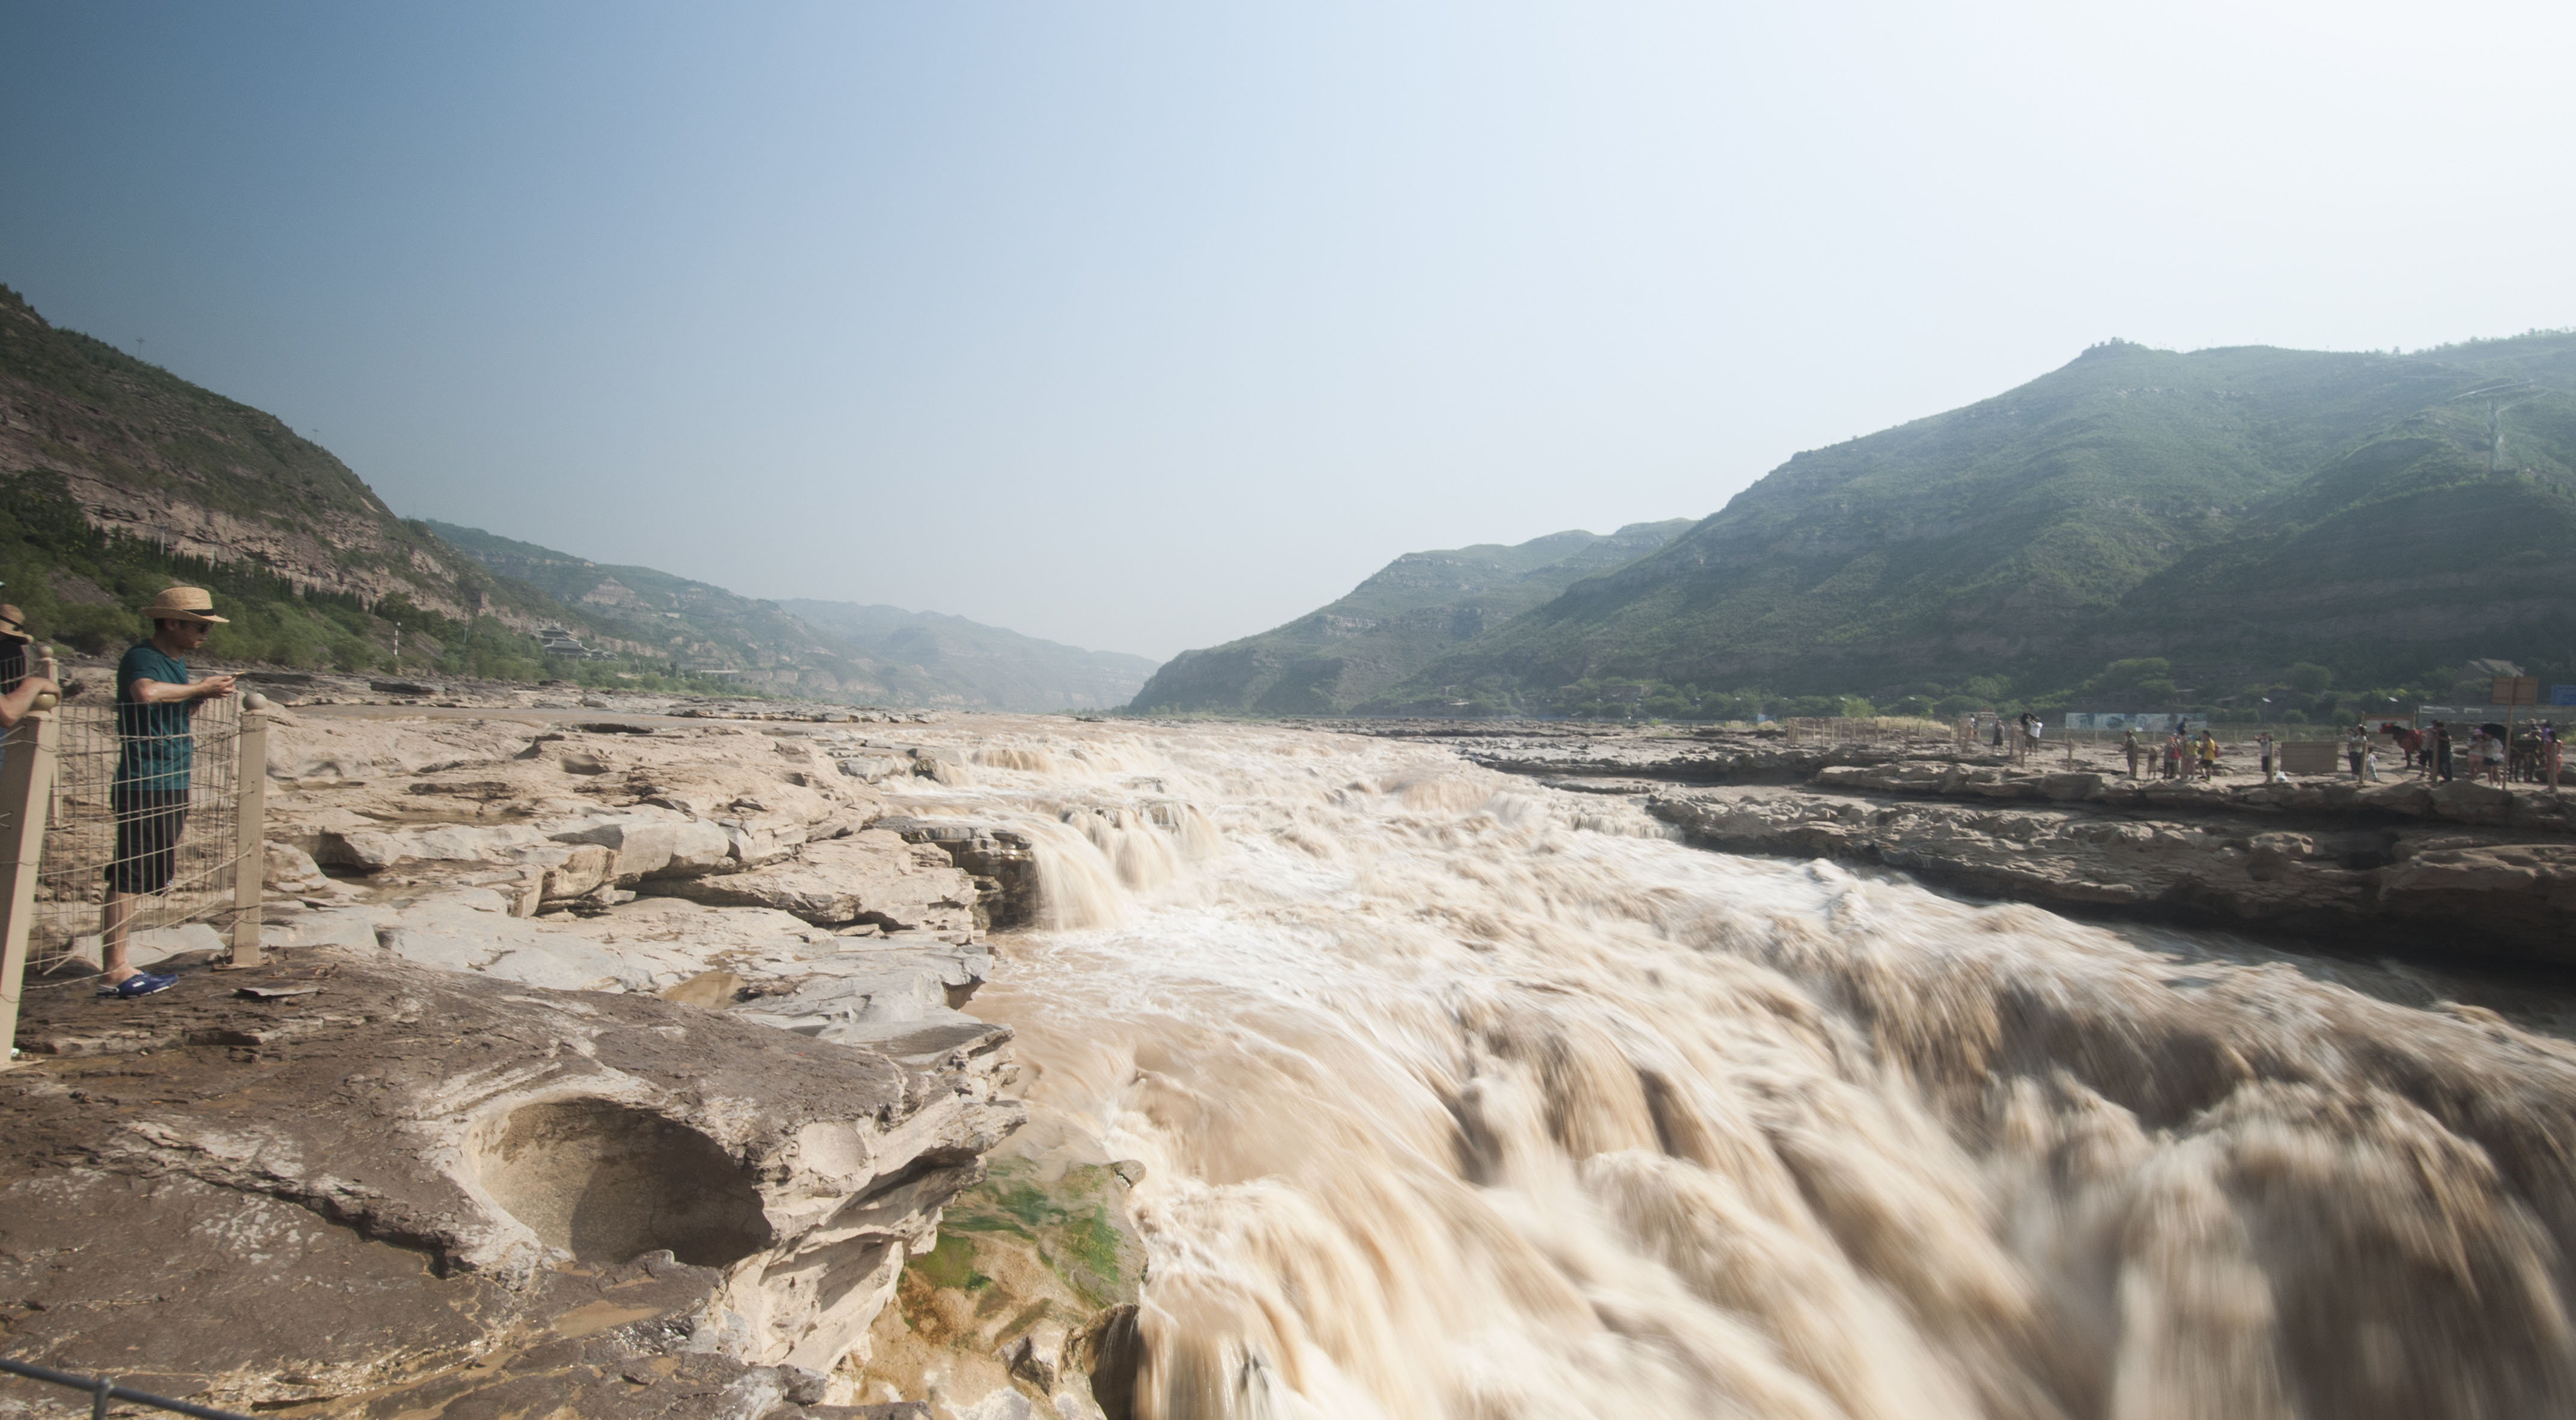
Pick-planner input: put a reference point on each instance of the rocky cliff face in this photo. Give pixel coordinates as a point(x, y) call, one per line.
point(152, 456)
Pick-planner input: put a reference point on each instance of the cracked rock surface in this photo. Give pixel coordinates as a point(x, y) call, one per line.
point(479, 1164)
point(411, 1186)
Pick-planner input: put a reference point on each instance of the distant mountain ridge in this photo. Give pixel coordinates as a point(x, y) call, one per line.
point(1390, 625)
point(929, 657)
point(120, 478)
point(823, 650)
point(2232, 510)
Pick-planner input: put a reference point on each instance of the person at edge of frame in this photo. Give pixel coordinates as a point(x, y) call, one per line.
point(155, 749)
point(18, 689)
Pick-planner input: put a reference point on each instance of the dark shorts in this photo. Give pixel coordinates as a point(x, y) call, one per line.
point(148, 825)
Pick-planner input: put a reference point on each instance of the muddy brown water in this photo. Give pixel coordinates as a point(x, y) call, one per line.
point(1462, 1096)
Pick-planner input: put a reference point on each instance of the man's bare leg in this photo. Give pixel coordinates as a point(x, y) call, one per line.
point(111, 935)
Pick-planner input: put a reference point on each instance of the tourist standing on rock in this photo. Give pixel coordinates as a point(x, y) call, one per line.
point(2355, 741)
point(2491, 755)
point(2263, 742)
point(156, 748)
point(2439, 762)
point(2208, 755)
point(2173, 754)
point(2130, 746)
point(1999, 732)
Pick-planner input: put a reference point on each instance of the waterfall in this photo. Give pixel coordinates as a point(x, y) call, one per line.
point(1462, 1097)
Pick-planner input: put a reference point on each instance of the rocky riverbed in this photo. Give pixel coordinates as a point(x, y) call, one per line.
point(610, 1061)
point(618, 1058)
point(2450, 869)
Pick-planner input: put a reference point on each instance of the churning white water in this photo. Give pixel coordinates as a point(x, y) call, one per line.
point(1462, 1097)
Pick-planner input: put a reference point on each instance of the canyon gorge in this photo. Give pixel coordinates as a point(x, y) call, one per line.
point(661, 1060)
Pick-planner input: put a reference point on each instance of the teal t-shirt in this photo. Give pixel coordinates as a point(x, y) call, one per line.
point(154, 746)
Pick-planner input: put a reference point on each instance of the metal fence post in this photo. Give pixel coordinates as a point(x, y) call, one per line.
point(250, 840)
point(26, 790)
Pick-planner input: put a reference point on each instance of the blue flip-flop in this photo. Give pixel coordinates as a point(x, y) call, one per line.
point(141, 983)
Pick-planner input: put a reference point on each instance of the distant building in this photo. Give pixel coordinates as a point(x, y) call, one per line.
point(560, 642)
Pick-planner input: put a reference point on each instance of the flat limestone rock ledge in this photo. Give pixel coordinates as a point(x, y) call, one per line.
point(1740, 759)
point(871, 876)
point(415, 1193)
point(2465, 891)
point(1940, 770)
point(2398, 799)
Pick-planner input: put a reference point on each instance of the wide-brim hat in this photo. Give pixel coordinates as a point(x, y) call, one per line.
point(184, 604)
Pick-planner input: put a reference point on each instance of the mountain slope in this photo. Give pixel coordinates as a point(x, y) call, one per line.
point(2226, 507)
point(122, 478)
point(931, 658)
point(694, 625)
point(826, 650)
point(1389, 626)
point(149, 454)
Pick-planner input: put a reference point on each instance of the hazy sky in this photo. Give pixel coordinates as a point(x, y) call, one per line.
point(1148, 326)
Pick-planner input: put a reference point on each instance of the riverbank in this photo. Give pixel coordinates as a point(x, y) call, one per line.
point(2457, 869)
point(611, 1059)
point(620, 1063)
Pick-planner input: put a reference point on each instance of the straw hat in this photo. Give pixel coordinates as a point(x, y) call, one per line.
point(10, 614)
point(183, 604)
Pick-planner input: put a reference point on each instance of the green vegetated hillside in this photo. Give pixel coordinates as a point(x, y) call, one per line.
point(1390, 626)
point(2225, 514)
point(118, 478)
point(929, 658)
point(823, 650)
point(693, 627)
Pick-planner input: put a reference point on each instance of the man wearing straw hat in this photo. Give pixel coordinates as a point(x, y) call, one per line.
point(155, 749)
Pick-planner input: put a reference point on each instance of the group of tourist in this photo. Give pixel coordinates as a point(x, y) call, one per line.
point(2027, 729)
point(2530, 756)
point(2185, 756)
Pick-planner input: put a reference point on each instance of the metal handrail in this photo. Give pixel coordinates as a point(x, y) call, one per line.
point(102, 1390)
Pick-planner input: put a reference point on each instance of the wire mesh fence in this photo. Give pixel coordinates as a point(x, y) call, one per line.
point(1876, 730)
point(120, 819)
